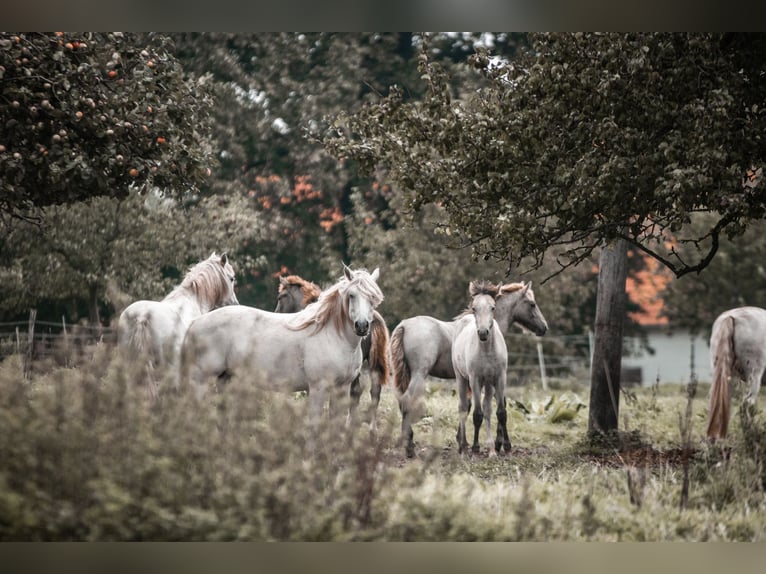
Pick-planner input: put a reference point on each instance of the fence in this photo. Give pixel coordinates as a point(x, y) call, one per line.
point(529, 357)
point(39, 340)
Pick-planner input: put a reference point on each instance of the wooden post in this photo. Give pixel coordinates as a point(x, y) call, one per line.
point(541, 361)
point(30, 341)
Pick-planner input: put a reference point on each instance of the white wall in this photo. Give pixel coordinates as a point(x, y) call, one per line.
point(671, 358)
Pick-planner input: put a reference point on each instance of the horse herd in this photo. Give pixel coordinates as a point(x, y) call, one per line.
point(317, 340)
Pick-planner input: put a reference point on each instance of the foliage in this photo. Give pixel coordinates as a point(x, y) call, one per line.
point(585, 138)
point(87, 115)
point(89, 456)
point(142, 244)
point(736, 277)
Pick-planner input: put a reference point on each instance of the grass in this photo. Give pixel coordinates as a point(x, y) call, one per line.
point(87, 455)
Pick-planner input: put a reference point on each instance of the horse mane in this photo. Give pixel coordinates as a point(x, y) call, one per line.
point(311, 291)
point(510, 288)
point(330, 305)
point(479, 288)
point(206, 280)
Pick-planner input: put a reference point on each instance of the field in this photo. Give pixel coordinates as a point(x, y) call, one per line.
point(87, 455)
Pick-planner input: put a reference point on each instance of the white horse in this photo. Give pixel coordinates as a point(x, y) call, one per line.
point(295, 294)
point(737, 351)
point(312, 350)
point(156, 328)
point(480, 361)
point(422, 346)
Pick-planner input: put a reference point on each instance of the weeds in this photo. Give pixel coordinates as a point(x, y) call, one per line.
point(88, 454)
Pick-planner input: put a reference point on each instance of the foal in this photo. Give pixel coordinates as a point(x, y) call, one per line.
point(480, 361)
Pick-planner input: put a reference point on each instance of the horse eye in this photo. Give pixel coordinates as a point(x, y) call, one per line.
point(532, 304)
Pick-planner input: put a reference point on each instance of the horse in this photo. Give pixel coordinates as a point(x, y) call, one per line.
point(737, 352)
point(295, 293)
point(311, 350)
point(156, 328)
point(421, 346)
point(480, 360)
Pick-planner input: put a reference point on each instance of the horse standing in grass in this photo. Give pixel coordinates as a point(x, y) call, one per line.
point(295, 294)
point(737, 353)
point(156, 328)
point(422, 346)
point(480, 361)
point(315, 350)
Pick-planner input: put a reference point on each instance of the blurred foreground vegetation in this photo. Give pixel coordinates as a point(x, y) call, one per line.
point(87, 455)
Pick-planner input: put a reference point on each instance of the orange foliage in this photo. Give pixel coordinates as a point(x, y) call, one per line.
point(645, 289)
point(330, 217)
point(303, 189)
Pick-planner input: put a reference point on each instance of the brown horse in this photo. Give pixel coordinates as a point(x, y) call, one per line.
point(295, 294)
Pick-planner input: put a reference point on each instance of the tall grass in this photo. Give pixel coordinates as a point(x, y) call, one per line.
point(87, 454)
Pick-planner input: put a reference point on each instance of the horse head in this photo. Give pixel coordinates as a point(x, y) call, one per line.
point(229, 297)
point(362, 295)
point(518, 300)
point(482, 306)
point(295, 294)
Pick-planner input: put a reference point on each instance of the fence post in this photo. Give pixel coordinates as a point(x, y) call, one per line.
point(541, 360)
point(30, 341)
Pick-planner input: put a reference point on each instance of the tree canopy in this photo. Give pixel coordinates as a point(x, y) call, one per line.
point(87, 115)
point(581, 139)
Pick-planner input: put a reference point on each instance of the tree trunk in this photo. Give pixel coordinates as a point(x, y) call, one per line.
point(93, 314)
point(607, 347)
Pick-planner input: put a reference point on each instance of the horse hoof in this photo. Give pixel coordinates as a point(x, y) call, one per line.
point(507, 446)
point(410, 451)
point(475, 449)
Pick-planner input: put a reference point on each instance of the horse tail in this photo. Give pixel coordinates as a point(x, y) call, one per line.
point(379, 360)
point(399, 361)
point(722, 358)
point(134, 334)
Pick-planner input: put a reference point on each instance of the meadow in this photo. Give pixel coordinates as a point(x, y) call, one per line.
point(87, 454)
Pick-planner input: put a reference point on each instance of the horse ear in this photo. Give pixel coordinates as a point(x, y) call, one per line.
point(472, 288)
point(527, 287)
point(224, 258)
point(347, 272)
point(375, 274)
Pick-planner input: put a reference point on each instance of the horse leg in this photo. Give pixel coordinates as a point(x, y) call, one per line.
point(463, 408)
point(410, 406)
point(375, 387)
point(502, 417)
point(478, 415)
point(355, 392)
point(487, 408)
point(755, 385)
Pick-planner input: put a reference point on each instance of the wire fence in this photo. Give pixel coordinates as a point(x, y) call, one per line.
point(37, 341)
point(530, 358)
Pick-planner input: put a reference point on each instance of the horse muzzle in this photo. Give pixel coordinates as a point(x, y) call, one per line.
point(362, 328)
point(483, 334)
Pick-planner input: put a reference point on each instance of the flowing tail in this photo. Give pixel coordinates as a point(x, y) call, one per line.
point(722, 356)
point(379, 360)
point(135, 336)
point(398, 361)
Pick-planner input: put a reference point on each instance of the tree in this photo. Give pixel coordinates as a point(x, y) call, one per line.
point(87, 115)
point(736, 277)
point(141, 245)
point(586, 140)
